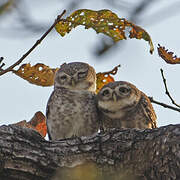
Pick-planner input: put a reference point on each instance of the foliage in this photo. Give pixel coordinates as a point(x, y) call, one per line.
point(167, 56)
point(103, 21)
point(38, 74)
point(105, 77)
point(38, 123)
point(43, 75)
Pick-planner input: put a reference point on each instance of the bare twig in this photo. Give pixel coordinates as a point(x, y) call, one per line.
point(1, 65)
point(34, 46)
point(163, 104)
point(1, 59)
point(167, 92)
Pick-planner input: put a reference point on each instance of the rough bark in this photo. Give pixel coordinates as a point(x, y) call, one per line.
point(144, 154)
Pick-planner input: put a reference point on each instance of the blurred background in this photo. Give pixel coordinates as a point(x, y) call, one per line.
point(22, 22)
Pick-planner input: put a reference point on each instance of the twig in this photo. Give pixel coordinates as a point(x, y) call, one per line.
point(34, 46)
point(1, 59)
point(167, 92)
point(164, 105)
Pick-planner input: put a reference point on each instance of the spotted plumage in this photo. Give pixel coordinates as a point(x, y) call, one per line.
point(122, 105)
point(71, 109)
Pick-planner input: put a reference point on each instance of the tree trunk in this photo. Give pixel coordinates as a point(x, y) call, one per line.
point(116, 154)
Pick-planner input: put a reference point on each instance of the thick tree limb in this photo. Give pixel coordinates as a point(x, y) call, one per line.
point(145, 154)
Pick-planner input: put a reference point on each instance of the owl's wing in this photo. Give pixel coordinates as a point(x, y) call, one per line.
point(47, 113)
point(148, 110)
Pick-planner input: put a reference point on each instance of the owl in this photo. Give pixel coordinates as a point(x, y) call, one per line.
point(71, 109)
point(122, 105)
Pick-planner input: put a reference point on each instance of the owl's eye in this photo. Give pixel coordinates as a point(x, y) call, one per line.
point(64, 77)
point(81, 74)
point(124, 90)
point(105, 92)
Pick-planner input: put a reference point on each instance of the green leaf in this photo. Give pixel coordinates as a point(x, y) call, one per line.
point(103, 21)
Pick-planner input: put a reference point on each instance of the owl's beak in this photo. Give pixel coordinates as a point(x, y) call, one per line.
point(114, 97)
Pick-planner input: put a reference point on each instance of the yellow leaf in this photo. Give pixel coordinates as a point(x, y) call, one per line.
point(103, 21)
point(43, 75)
point(38, 74)
point(105, 77)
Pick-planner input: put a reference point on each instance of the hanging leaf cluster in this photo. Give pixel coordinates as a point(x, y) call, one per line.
point(167, 56)
point(103, 21)
point(43, 75)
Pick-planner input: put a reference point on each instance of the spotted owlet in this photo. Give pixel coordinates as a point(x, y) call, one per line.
point(71, 109)
point(122, 105)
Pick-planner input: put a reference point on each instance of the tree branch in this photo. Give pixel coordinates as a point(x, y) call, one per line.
point(166, 90)
point(34, 46)
point(144, 154)
point(1, 64)
point(163, 104)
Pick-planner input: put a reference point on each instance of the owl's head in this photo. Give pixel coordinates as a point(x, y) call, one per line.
point(76, 76)
point(118, 96)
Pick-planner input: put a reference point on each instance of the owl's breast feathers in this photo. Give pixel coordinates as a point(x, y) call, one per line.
point(71, 112)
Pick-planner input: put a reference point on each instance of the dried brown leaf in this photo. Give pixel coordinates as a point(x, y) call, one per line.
point(167, 56)
point(38, 122)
